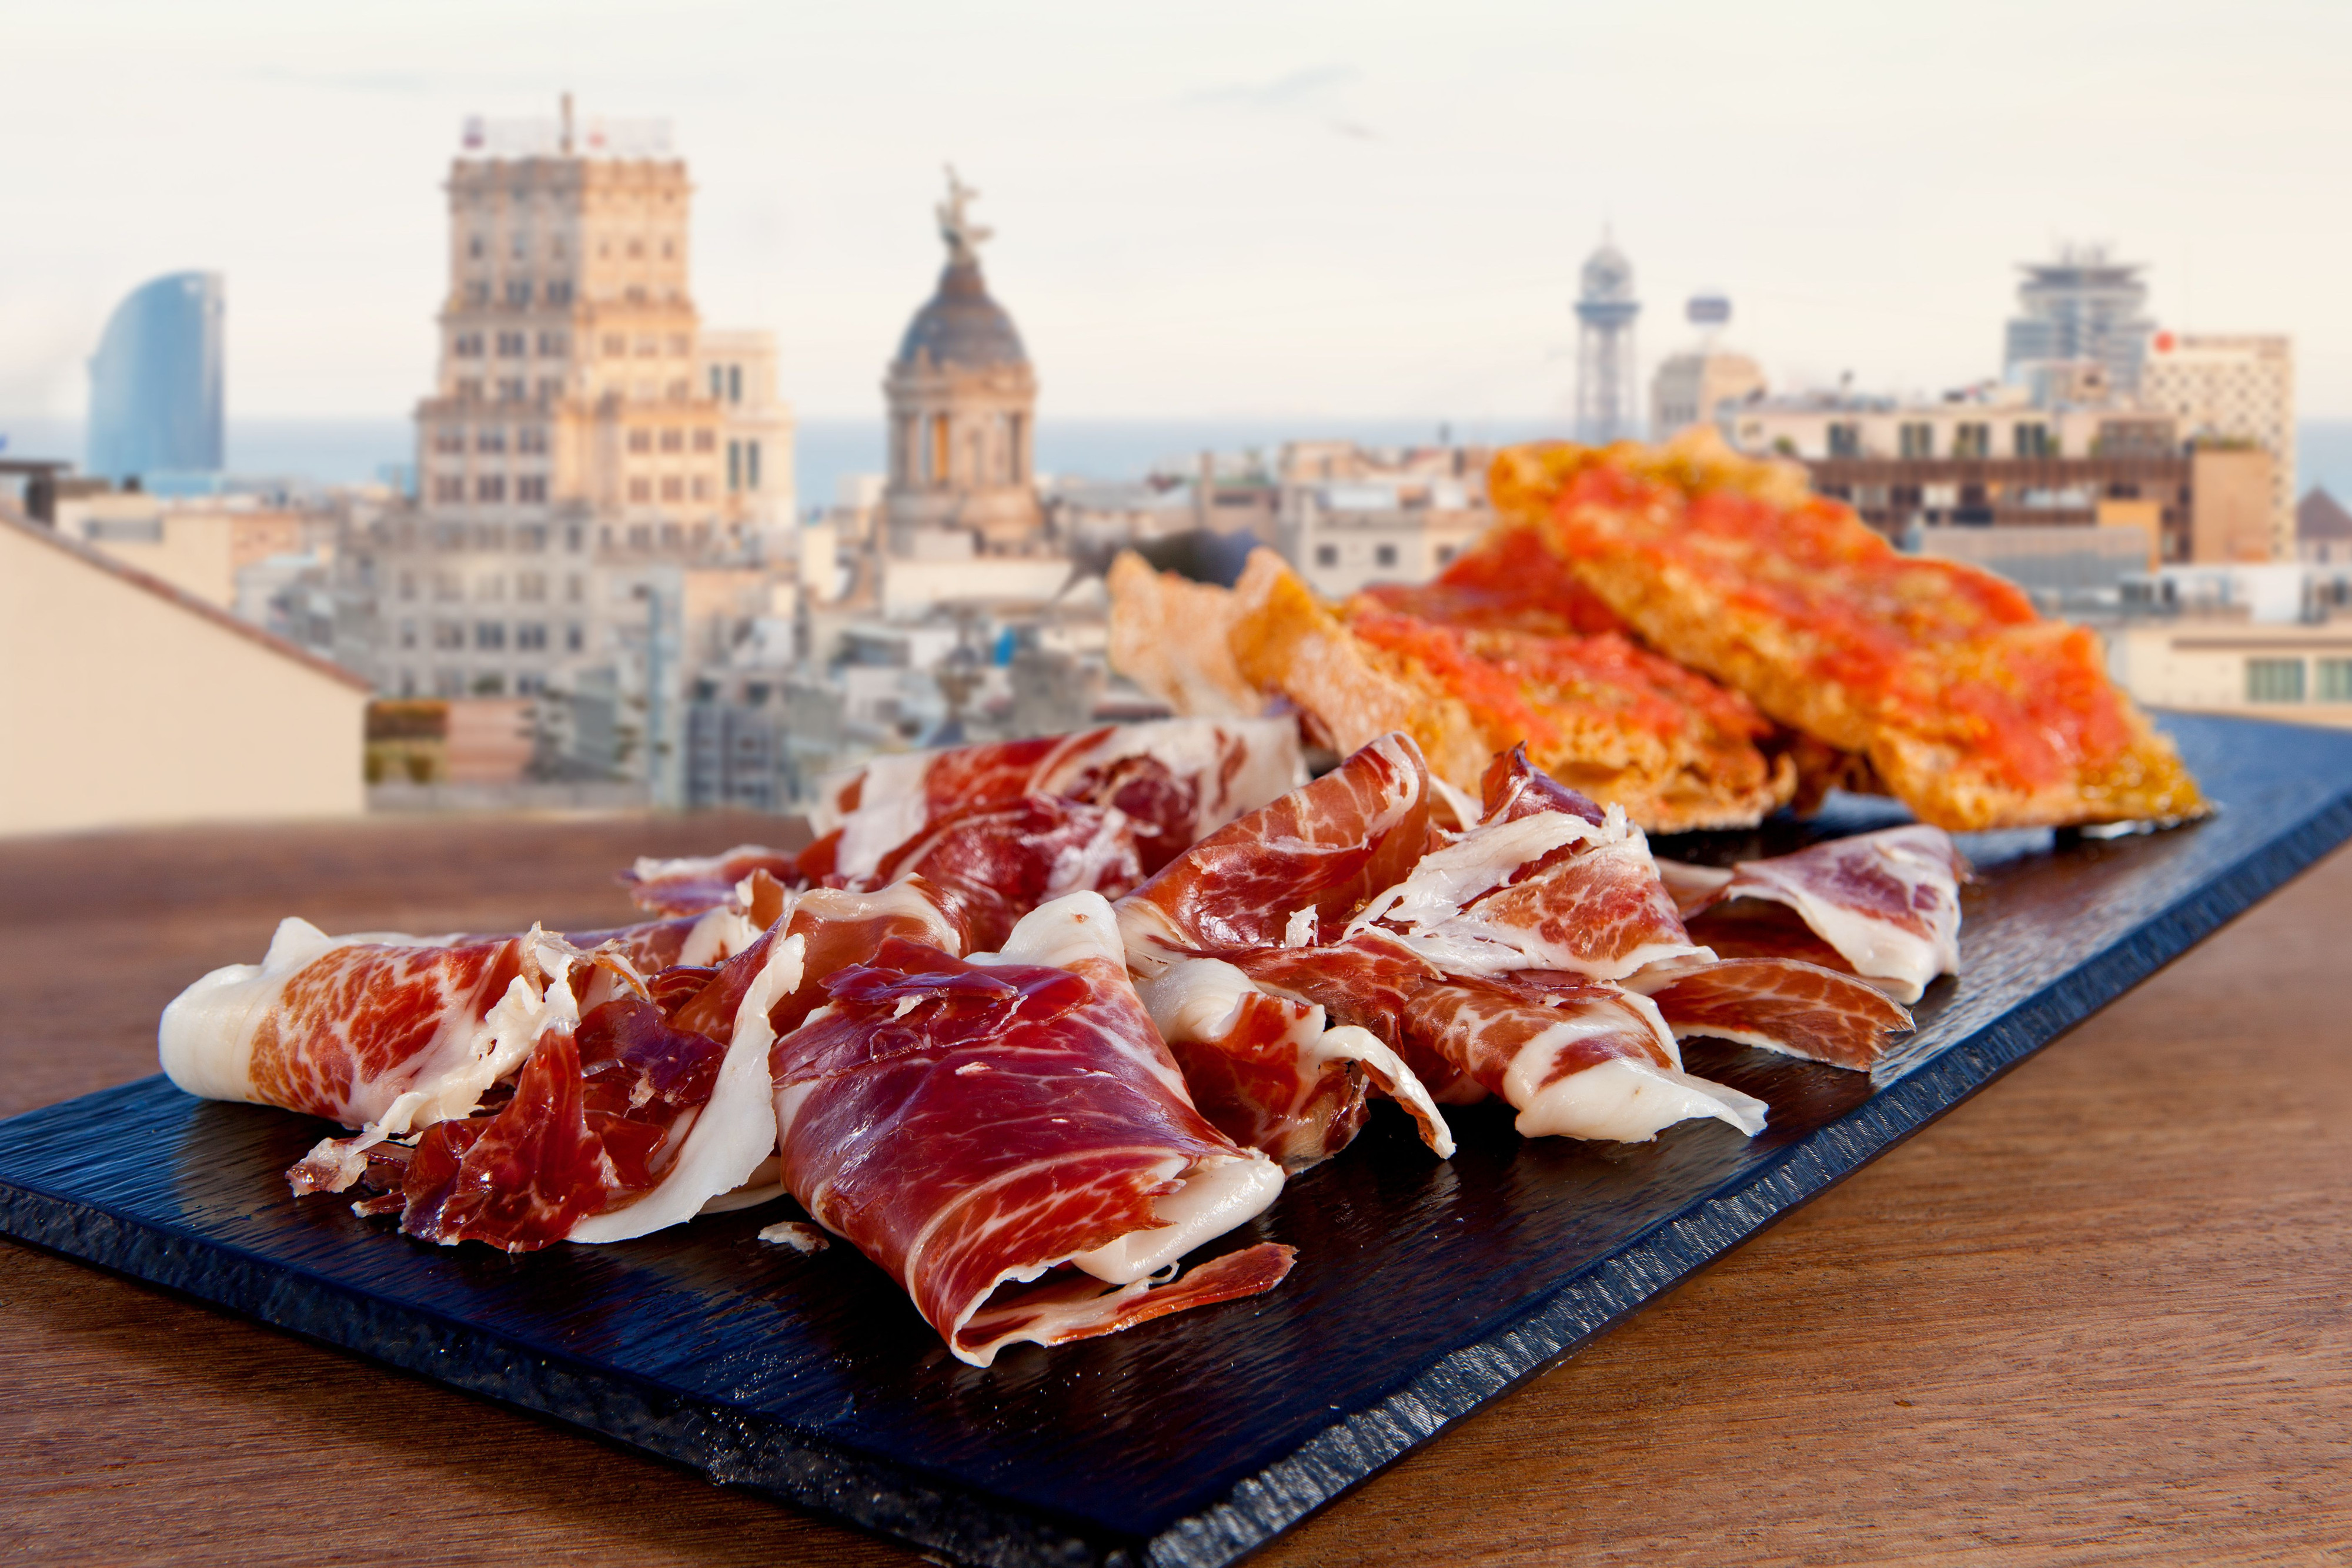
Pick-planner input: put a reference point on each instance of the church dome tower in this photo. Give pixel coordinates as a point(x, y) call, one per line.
point(962, 404)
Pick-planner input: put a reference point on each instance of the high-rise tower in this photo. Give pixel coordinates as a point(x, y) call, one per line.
point(2079, 310)
point(155, 381)
point(1607, 404)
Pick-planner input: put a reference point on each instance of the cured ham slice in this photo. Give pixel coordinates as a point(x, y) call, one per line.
point(1884, 905)
point(1545, 880)
point(996, 863)
point(693, 884)
point(386, 1032)
point(1575, 1057)
point(1780, 1004)
point(1010, 1139)
point(1176, 780)
point(1270, 1073)
point(713, 937)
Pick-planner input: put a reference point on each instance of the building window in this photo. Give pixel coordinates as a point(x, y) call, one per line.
point(641, 440)
point(705, 441)
point(648, 348)
point(469, 389)
point(490, 535)
point(1845, 440)
point(673, 440)
point(490, 634)
point(408, 585)
point(513, 389)
point(549, 388)
point(531, 637)
point(447, 488)
point(641, 536)
point(474, 246)
point(750, 465)
point(575, 540)
point(555, 345)
point(2031, 440)
point(2275, 679)
point(490, 487)
point(468, 346)
point(680, 345)
point(672, 536)
point(1971, 440)
point(518, 292)
point(530, 438)
point(641, 491)
point(673, 487)
point(615, 345)
point(559, 290)
point(701, 487)
point(513, 345)
point(680, 390)
point(478, 292)
point(2335, 680)
point(446, 587)
point(449, 634)
point(574, 638)
point(490, 438)
point(1327, 555)
point(1384, 555)
point(1918, 440)
point(531, 537)
point(734, 383)
point(530, 585)
point(449, 683)
point(450, 438)
point(490, 684)
point(408, 633)
point(530, 683)
point(530, 487)
point(734, 466)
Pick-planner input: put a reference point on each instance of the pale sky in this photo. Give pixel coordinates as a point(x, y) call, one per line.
point(1211, 209)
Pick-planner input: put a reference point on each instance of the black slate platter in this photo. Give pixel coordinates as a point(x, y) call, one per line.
point(1422, 1291)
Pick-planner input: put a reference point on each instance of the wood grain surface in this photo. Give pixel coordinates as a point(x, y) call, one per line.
point(2101, 1313)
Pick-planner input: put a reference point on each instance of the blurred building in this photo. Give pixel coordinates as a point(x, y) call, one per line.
point(2239, 388)
point(203, 546)
point(1353, 516)
point(155, 384)
point(141, 703)
point(962, 406)
point(590, 459)
point(1692, 387)
point(2323, 530)
point(2081, 309)
point(1607, 404)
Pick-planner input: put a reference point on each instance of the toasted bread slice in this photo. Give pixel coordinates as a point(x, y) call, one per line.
point(1170, 636)
point(1626, 726)
point(1972, 709)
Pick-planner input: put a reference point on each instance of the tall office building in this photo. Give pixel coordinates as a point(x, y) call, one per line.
point(1608, 406)
point(2080, 309)
point(2234, 387)
point(155, 381)
point(586, 440)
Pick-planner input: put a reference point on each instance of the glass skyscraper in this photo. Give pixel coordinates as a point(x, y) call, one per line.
point(155, 381)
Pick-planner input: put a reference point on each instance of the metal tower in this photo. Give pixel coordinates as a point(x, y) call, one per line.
point(1607, 402)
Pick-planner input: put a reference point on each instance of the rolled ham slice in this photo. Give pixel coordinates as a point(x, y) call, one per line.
point(1010, 1139)
point(1884, 905)
point(1575, 1057)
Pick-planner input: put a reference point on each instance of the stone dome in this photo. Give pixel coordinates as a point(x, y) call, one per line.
point(961, 326)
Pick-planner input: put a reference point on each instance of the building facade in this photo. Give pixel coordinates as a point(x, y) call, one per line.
point(586, 441)
point(962, 415)
point(1351, 516)
point(155, 383)
point(2232, 389)
point(2079, 310)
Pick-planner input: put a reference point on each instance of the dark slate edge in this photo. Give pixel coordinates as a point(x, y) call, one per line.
point(1531, 1340)
point(731, 1446)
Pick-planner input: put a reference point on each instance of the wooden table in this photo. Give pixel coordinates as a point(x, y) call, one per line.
point(2102, 1312)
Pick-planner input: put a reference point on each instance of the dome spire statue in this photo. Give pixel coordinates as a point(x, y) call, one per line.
point(963, 236)
point(963, 400)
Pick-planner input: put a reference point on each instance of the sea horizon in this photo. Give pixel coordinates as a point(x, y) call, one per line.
point(829, 449)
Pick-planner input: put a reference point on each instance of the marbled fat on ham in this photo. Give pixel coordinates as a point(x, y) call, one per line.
point(1888, 904)
point(1009, 1138)
point(996, 863)
point(1783, 1005)
point(1175, 780)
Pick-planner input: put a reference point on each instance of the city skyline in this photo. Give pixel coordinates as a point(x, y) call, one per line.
point(1280, 217)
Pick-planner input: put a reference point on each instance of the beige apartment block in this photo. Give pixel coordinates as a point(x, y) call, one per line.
point(2234, 388)
point(196, 546)
point(129, 701)
point(2233, 518)
point(1691, 388)
point(2299, 673)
